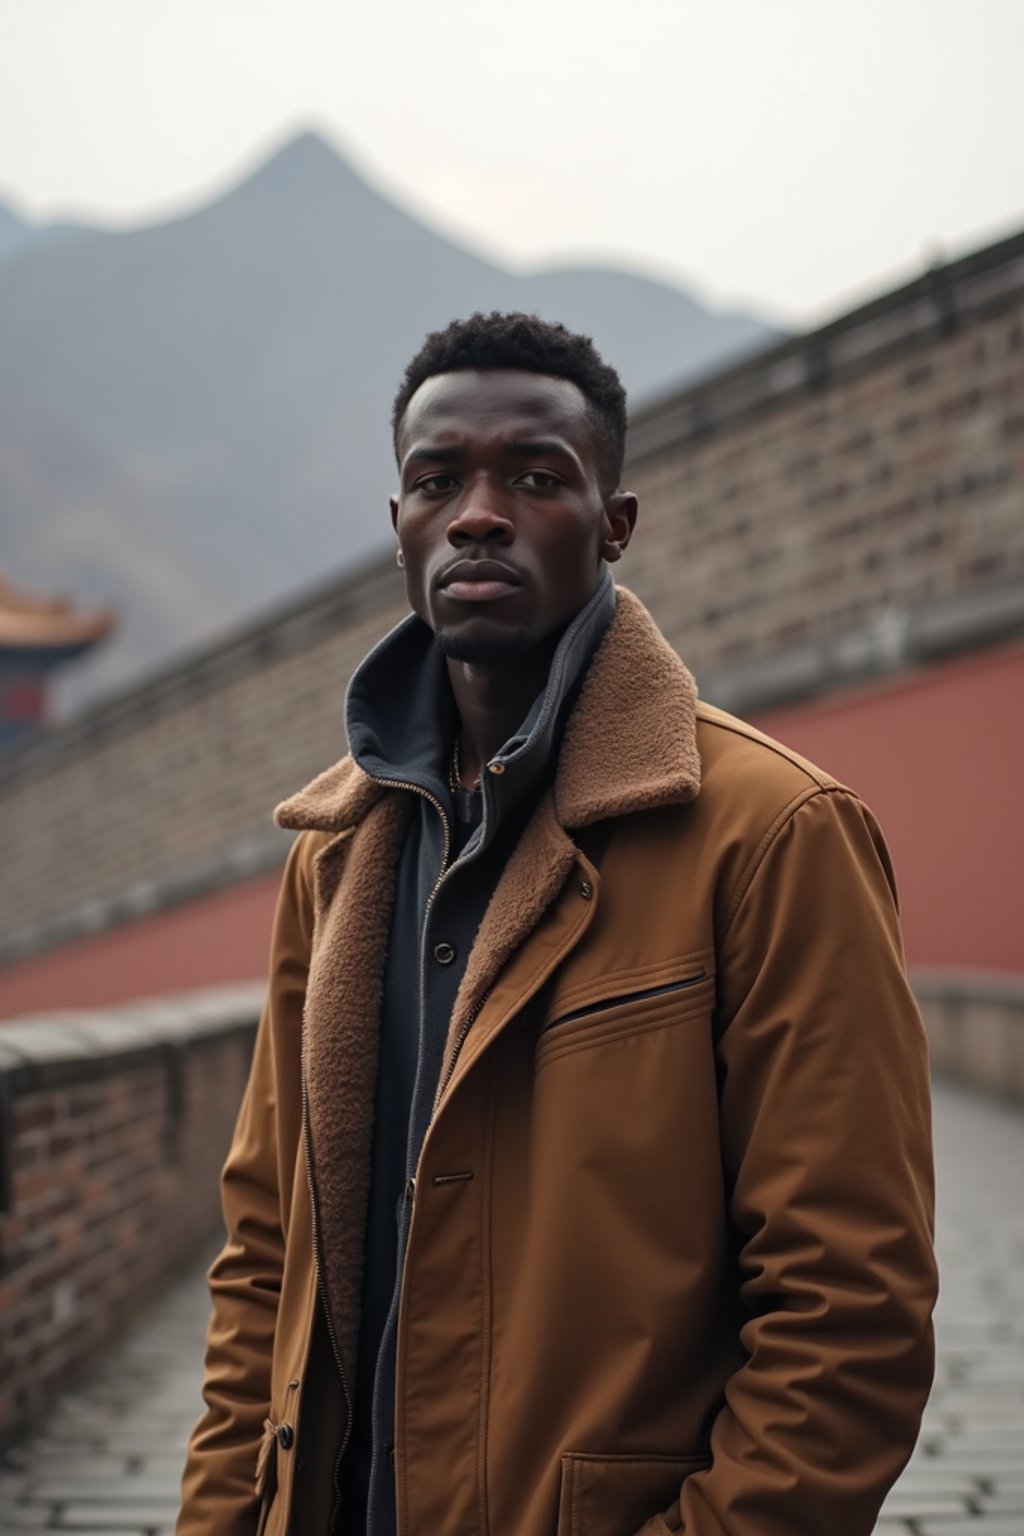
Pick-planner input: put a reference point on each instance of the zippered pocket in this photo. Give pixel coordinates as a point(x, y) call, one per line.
point(623, 999)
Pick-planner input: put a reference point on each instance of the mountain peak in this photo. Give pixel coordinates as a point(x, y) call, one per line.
point(306, 171)
point(307, 160)
point(308, 148)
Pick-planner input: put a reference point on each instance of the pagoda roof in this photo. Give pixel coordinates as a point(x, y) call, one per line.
point(47, 624)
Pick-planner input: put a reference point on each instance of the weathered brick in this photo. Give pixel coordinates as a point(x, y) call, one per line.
point(89, 1234)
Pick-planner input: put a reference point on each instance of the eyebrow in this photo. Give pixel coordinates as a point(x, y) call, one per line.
point(520, 448)
point(433, 456)
point(526, 448)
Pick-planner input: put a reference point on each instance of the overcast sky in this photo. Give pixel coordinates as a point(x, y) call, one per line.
point(789, 155)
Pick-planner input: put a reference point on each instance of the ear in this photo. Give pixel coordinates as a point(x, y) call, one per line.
point(620, 519)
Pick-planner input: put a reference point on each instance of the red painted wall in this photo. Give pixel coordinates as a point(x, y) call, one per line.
point(217, 938)
point(938, 754)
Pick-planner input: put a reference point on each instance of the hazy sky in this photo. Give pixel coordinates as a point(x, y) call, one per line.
point(792, 155)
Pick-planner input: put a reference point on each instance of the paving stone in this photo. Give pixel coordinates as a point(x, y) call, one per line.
point(25, 1517)
point(906, 1505)
point(111, 1517)
point(1009, 1481)
point(1003, 1504)
point(979, 1462)
point(937, 1486)
point(129, 1490)
point(981, 1525)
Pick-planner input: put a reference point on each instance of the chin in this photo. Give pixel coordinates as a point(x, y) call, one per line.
point(486, 644)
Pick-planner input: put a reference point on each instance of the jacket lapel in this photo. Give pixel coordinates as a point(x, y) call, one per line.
point(631, 742)
point(341, 1023)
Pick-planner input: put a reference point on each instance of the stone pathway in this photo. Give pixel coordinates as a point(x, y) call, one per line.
point(966, 1477)
point(109, 1459)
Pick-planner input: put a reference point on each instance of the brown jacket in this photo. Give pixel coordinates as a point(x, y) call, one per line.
point(670, 1262)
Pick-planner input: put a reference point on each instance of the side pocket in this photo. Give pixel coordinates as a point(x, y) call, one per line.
point(620, 1495)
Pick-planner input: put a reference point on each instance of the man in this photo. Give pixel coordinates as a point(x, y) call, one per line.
point(582, 1184)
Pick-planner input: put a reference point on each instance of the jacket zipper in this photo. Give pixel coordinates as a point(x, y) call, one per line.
point(425, 794)
point(449, 1071)
point(623, 999)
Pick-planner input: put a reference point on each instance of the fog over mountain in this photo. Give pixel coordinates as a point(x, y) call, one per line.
point(194, 415)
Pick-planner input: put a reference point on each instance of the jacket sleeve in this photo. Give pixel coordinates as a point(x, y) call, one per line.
point(826, 1141)
point(218, 1487)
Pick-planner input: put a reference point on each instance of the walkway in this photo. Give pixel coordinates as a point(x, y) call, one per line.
point(109, 1459)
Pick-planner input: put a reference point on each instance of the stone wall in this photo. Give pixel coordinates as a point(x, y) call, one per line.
point(850, 501)
point(844, 480)
point(113, 1130)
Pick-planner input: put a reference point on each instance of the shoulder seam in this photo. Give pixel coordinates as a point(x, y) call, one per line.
point(750, 733)
point(772, 831)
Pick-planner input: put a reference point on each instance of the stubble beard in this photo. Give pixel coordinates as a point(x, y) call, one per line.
point(487, 650)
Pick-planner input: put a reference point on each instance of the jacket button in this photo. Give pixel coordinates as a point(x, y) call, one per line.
point(285, 1437)
point(444, 954)
point(585, 889)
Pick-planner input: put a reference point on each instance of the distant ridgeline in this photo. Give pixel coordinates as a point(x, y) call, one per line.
point(831, 533)
point(195, 416)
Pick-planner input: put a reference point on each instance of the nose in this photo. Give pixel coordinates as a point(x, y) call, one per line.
point(480, 518)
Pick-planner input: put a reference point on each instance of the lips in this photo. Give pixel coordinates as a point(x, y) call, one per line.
point(479, 581)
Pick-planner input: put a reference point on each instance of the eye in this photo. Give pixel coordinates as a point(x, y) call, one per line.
point(438, 482)
point(539, 480)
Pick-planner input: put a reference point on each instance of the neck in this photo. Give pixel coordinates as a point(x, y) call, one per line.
point(492, 701)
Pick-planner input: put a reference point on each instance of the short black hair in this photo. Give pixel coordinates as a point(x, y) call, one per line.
point(524, 341)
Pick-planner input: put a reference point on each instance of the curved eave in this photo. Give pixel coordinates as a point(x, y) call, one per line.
point(50, 636)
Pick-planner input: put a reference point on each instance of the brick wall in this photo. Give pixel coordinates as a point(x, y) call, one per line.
point(845, 484)
point(890, 486)
point(113, 1130)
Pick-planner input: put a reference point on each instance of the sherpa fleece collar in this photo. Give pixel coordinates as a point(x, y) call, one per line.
point(630, 743)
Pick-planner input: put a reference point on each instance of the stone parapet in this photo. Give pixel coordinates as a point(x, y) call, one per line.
point(975, 1024)
point(113, 1130)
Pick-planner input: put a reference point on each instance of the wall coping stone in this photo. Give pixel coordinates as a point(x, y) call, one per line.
point(62, 1042)
point(974, 1020)
point(894, 640)
point(950, 985)
point(933, 305)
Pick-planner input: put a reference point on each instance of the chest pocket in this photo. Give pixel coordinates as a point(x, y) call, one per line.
point(596, 1008)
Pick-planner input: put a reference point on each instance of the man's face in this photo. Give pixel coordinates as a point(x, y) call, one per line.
point(501, 517)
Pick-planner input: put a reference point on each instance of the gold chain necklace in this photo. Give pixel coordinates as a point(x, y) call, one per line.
point(455, 772)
